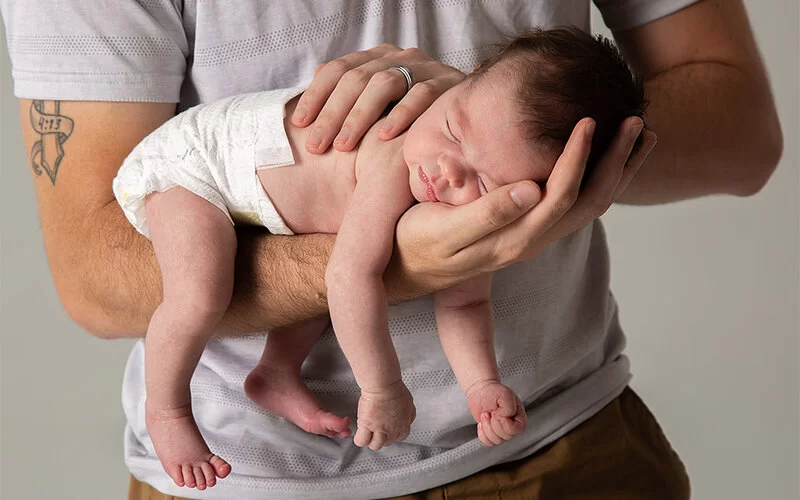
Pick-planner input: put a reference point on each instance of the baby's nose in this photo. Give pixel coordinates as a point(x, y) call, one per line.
point(453, 171)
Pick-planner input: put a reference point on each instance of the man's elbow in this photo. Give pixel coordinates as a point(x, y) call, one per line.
point(89, 312)
point(84, 313)
point(764, 151)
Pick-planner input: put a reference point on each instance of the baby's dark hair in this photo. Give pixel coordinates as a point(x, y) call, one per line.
point(566, 74)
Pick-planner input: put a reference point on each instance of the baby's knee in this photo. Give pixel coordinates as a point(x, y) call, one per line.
point(202, 305)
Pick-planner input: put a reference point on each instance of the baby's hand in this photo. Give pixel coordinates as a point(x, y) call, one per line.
point(384, 416)
point(498, 411)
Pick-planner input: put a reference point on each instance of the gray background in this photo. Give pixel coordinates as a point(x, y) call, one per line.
point(708, 291)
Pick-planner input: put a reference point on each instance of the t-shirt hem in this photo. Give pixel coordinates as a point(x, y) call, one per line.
point(452, 465)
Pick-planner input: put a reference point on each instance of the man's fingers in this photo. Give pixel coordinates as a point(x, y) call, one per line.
point(333, 113)
point(561, 192)
point(415, 102)
point(380, 81)
point(472, 222)
point(383, 88)
point(599, 192)
point(348, 94)
point(637, 159)
point(327, 78)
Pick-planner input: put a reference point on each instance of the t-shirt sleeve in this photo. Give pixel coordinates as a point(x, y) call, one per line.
point(100, 50)
point(627, 14)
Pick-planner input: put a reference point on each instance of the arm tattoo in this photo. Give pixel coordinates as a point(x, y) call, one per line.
point(54, 129)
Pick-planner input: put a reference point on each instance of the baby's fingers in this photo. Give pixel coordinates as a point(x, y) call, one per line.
point(378, 441)
point(482, 435)
point(511, 426)
point(489, 431)
point(363, 437)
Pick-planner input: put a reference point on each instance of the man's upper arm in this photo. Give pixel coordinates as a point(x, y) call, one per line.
point(74, 151)
point(711, 102)
point(715, 31)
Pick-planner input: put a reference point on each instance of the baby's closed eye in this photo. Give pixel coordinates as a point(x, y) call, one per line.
point(482, 186)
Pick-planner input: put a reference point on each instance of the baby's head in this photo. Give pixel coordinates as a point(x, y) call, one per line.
point(511, 117)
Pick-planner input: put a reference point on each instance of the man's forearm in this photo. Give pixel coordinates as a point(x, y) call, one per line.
point(279, 279)
point(717, 134)
point(116, 285)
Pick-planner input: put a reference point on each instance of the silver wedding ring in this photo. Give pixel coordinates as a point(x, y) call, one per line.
point(407, 74)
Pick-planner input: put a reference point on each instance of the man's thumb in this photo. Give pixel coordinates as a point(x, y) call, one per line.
point(526, 194)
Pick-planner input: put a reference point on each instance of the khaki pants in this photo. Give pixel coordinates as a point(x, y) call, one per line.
point(620, 454)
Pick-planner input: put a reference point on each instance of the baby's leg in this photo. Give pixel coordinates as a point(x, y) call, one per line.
point(275, 383)
point(464, 320)
point(195, 246)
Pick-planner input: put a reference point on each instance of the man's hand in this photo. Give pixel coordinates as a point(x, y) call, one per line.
point(350, 93)
point(439, 245)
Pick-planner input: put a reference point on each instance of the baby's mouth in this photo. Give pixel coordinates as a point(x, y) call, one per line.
point(428, 187)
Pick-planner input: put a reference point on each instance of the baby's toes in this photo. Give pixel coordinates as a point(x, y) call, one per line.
point(188, 476)
point(209, 474)
point(221, 467)
point(335, 425)
point(175, 472)
point(199, 477)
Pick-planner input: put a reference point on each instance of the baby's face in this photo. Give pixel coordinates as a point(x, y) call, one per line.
point(469, 142)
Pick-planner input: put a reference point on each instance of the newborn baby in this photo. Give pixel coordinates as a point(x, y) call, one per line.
point(239, 161)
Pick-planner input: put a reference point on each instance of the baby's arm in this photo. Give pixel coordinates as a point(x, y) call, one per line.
point(466, 329)
point(358, 304)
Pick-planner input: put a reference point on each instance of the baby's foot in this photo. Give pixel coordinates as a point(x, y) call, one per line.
point(384, 416)
point(498, 411)
point(182, 450)
point(281, 391)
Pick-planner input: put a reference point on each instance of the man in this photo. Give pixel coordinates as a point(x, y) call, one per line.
point(559, 343)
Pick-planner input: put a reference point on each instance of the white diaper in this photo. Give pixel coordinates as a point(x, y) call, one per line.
point(213, 151)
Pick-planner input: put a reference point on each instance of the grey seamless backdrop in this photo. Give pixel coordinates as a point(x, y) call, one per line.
point(708, 291)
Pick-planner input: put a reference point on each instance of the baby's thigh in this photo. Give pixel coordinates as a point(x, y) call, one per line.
point(194, 243)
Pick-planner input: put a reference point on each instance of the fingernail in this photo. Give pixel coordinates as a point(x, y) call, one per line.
point(386, 127)
point(589, 130)
point(343, 135)
point(637, 129)
point(315, 139)
point(525, 196)
point(300, 114)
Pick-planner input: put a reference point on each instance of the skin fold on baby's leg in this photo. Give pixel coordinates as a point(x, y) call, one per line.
point(195, 246)
point(276, 385)
point(466, 329)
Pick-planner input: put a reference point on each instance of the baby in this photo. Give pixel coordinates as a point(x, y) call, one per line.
point(239, 161)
